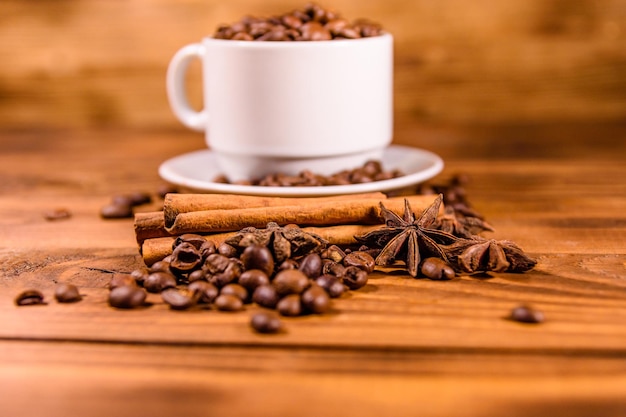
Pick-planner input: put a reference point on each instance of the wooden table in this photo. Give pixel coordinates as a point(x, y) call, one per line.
point(398, 347)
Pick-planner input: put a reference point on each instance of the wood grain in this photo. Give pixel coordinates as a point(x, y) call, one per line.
point(102, 63)
point(399, 346)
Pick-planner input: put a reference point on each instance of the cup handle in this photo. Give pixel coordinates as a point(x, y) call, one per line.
point(176, 72)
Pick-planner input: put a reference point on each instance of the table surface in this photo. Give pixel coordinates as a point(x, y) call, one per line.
point(398, 347)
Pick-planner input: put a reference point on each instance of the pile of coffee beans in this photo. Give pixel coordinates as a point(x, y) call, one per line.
point(370, 171)
point(199, 274)
point(311, 23)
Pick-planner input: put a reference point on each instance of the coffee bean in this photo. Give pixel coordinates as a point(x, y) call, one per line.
point(231, 273)
point(332, 284)
point(207, 248)
point(258, 257)
point(180, 299)
point(354, 278)
point(228, 302)
point(290, 305)
point(116, 211)
point(128, 296)
point(290, 281)
point(159, 281)
point(333, 253)
point(253, 278)
point(57, 214)
point(311, 265)
point(30, 298)
point(160, 266)
point(197, 275)
point(316, 300)
point(236, 290)
point(361, 260)
point(265, 296)
point(288, 264)
point(526, 314)
point(334, 268)
point(207, 291)
point(437, 269)
point(67, 293)
point(138, 198)
point(185, 258)
point(227, 250)
point(196, 240)
point(139, 276)
point(121, 280)
point(215, 263)
point(266, 322)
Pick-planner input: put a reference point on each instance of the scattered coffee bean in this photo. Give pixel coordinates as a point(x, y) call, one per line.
point(290, 281)
point(354, 278)
point(526, 314)
point(228, 302)
point(30, 298)
point(180, 299)
point(332, 284)
point(266, 322)
point(128, 296)
point(265, 296)
point(139, 276)
point(361, 260)
point(165, 189)
point(207, 291)
point(160, 266)
point(138, 198)
point(316, 300)
point(116, 211)
point(437, 269)
point(57, 214)
point(258, 257)
point(159, 281)
point(227, 250)
point(231, 273)
point(311, 265)
point(236, 290)
point(253, 278)
point(67, 293)
point(290, 305)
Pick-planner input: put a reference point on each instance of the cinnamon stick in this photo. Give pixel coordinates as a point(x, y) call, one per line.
point(348, 211)
point(175, 204)
point(155, 249)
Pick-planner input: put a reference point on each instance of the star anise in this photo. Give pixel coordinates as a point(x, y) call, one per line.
point(408, 238)
point(482, 255)
point(284, 241)
point(460, 225)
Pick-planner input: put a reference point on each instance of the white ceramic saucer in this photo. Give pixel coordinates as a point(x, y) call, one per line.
point(196, 170)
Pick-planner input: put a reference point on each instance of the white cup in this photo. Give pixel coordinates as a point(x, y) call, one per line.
point(288, 106)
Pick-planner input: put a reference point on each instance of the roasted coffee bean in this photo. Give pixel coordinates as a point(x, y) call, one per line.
point(185, 258)
point(116, 211)
point(67, 293)
point(266, 322)
point(236, 290)
point(138, 198)
point(197, 275)
point(127, 296)
point(314, 31)
point(334, 253)
point(258, 257)
point(526, 314)
point(207, 248)
point(57, 214)
point(30, 298)
point(334, 268)
point(180, 299)
point(355, 278)
point(253, 278)
point(290, 281)
point(288, 264)
point(207, 292)
point(231, 273)
point(160, 266)
point(139, 276)
point(228, 302)
point(316, 300)
point(437, 269)
point(159, 281)
point(290, 305)
point(227, 250)
point(332, 284)
point(311, 265)
point(165, 189)
point(215, 263)
point(361, 260)
point(196, 240)
point(265, 296)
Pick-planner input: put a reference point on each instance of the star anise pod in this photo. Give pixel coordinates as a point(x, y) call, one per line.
point(284, 241)
point(408, 238)
point(482, 255)
point(460, 225)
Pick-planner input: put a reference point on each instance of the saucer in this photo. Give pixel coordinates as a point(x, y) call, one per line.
point(197, 170)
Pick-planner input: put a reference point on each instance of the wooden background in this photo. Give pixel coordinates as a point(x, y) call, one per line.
point(93, 63)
